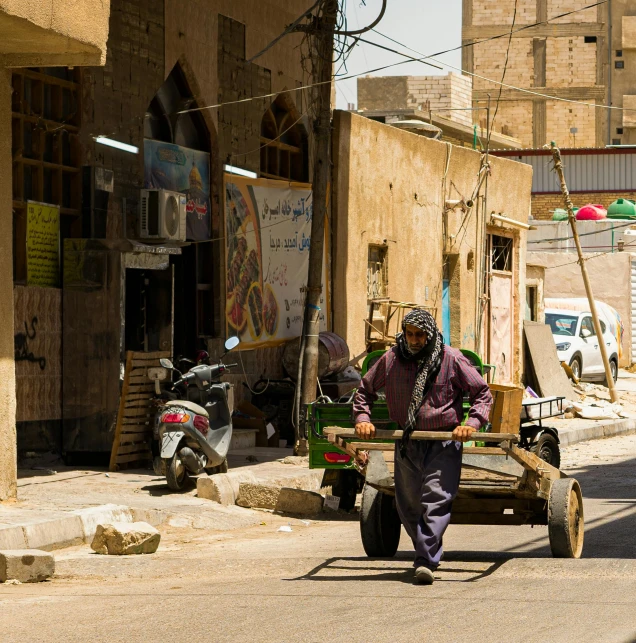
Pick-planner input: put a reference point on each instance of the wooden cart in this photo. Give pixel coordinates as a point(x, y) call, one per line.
point(501, 484)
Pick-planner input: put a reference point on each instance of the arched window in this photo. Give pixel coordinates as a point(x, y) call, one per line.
point(284, 141)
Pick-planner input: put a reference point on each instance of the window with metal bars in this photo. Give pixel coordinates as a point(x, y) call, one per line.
point(501, 253)
point(377, 272)
point(45, 120)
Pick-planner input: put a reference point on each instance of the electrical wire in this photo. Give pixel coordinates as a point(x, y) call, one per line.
point(596, 256)
point(502, 35)
point(585, 234)
point(491, 125)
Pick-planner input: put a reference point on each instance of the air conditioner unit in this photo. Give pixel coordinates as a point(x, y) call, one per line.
point(162, 215)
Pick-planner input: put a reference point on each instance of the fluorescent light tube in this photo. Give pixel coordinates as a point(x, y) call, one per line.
point(104, 140)
point(240, 171)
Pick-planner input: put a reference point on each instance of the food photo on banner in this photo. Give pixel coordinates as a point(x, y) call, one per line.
point(184, 170)
point(268, 236)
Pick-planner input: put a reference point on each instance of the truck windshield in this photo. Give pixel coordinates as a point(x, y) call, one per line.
point(562, 324)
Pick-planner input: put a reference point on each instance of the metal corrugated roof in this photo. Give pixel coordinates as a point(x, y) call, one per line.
point(583, 172)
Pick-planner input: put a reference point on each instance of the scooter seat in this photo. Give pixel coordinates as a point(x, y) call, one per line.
point(195, 408)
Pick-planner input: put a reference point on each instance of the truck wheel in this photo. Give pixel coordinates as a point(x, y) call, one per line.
point(613, 371)
point(565, 518)
point(176, 473)
point(547, 448)
point(346, 488)
point(379, 523)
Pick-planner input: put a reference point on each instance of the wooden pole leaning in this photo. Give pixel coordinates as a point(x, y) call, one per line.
point(558, 168)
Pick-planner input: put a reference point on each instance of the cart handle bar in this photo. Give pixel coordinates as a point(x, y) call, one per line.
point(384, 434)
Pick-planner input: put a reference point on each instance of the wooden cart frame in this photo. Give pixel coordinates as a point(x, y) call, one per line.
point(500, 484)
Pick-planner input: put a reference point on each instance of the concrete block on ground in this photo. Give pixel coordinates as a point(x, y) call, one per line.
point(55, 534)
point(12, 538)
point(262, 496)
point(26, 565)
point(223, 487)
point(297, 501)
point(125, 538)
point(94, 516)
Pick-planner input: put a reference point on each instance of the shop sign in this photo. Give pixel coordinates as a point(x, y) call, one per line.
point(268, 236)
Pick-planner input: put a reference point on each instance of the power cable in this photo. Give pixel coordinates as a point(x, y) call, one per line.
point(289, 29)
point(491, 125)
point(585, 234)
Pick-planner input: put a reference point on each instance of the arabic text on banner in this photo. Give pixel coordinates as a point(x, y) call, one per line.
point(43, 245)
point(268, 236)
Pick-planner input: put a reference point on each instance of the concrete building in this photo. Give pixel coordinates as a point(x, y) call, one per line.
point(584, 56)
point(32, 34)
point(442, 101)
point(434, 250)
point(118, 292)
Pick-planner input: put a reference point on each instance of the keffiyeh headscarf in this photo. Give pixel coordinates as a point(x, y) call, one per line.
point(429, 362)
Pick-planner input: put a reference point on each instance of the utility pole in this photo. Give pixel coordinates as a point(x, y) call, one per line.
point(558, 167)
point(323, 30)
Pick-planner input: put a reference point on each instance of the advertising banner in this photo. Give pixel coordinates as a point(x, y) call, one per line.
point(268, 235)
point(43, 245)
point(181, 169)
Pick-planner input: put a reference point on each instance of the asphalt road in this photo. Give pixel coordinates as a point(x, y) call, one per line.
point(315, 583)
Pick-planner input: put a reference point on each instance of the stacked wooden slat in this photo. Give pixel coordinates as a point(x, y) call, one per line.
point(133, 433)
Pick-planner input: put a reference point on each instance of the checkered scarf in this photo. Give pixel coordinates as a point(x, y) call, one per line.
point(429, 362)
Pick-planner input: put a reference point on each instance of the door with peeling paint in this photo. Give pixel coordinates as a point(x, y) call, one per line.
point(501, 309)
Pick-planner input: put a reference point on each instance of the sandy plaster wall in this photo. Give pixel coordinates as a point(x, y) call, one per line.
point(398, 196)
point(7, 369)
point(610, 277)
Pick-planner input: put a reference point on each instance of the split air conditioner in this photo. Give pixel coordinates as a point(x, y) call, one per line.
point(162, 215)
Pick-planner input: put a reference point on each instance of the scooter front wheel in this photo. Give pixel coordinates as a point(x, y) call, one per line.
point(176, 473)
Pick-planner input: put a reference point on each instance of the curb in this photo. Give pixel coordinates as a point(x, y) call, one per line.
point(598, 431)
point(73, 529)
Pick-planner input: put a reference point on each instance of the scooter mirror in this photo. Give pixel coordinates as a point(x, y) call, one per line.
point(166, 363)
point(232, 342)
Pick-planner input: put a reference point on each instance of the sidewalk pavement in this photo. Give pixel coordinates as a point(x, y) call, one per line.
point(63, 508)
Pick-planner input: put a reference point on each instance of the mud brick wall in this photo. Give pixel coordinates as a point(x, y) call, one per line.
point(239, 125)
point(116, 97)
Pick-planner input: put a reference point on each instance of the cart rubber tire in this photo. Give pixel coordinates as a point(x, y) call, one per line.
point(565, 518)
point(547, 448)
point(346, 488)
point(176, 473)
point(380, 525)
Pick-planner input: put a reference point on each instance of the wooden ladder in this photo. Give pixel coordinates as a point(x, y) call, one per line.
point(133, 433)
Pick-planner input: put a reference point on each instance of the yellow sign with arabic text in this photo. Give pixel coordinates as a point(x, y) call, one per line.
point(43, 245)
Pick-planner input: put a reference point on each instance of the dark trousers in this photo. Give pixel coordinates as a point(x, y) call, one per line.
point(426, 482)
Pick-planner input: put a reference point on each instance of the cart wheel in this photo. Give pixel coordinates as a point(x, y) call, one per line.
point(379, 523)
point(565, 518)
point(547, 448)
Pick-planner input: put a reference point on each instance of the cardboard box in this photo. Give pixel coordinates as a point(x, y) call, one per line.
point(255, 421)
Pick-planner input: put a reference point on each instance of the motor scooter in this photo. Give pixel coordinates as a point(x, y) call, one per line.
point(195, 430)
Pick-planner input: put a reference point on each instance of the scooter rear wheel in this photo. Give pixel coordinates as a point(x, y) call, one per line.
point(177, 474)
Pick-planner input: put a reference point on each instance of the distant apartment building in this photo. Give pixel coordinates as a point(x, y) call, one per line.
point(443, 101)
point(587, 56)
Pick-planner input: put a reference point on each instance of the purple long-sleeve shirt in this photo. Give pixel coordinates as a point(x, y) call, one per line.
point(442, 407)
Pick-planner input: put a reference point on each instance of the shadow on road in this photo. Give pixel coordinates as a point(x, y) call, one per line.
point(400, 568)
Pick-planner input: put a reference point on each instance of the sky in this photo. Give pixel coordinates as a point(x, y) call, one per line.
point(425, 25)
